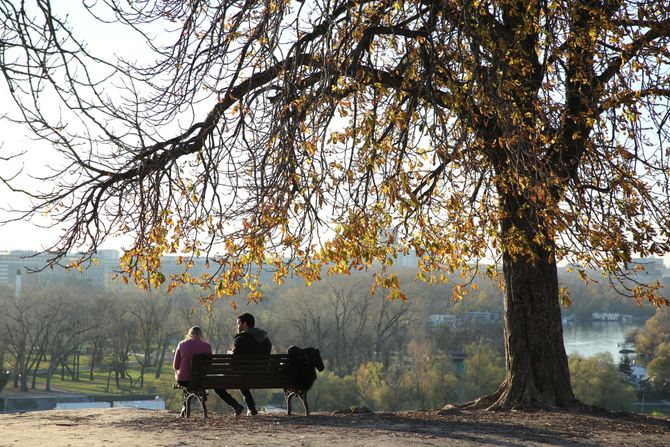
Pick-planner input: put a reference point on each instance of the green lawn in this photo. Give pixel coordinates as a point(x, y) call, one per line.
point(103, 381)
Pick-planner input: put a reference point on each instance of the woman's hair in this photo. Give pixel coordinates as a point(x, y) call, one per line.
point(195, 331)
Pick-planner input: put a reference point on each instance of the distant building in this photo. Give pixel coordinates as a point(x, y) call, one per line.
point(654, 268)
point(638, 373)
point(30, 265)
point(483, 317)
point(568, 319)
point(408, 260)
point(611, 316)
point(437, 320)
point(99, 274)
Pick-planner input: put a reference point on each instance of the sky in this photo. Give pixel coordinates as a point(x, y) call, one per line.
point(28, 235)
point(110, 38)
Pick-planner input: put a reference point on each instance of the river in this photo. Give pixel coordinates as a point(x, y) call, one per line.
point(587, 339)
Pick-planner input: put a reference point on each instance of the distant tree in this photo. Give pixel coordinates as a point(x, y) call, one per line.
point(392, 325)
point(372, 384)
point(659, 368)
point(335, 316)
point(219, 326)
point(342, 318)
point(306, 315)
point(653, 347)
point(598, 295)
point(596, 381)
point(332, 392)
point(483, 369)
point(655, 333)
point(5, 293)
point(70, 314)
point(122, 330)
point(27, 323)
point(336, 134)
point(100, 339)
point(151, 315)
point(430, 378)
point(351, 313)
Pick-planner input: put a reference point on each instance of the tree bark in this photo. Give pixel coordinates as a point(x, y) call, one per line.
point(537, 366)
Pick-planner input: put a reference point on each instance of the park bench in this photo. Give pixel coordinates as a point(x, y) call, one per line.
point(227, 371)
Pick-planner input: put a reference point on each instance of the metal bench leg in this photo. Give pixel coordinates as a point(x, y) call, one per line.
point(301, 394)
point(304, 403)
point(188, 396)
point(203, 404)
point(184, 403)
point(188, 404)
point(288, 395)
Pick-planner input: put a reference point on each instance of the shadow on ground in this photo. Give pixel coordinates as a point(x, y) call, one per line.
point(463, 427)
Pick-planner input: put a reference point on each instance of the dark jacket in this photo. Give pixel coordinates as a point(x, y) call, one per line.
point(307, 361)
point(252, 341)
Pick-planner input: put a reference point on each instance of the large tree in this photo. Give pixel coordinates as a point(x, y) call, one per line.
point(337, 134)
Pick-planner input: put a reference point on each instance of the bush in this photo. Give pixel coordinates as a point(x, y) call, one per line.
point(596, 381)
point(483, 371)
point(332, 392)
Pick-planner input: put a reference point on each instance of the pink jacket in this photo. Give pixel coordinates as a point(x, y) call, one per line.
point(182, 356)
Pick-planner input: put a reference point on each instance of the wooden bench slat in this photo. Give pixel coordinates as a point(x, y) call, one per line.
point(241, 383)
point(244, 361)
point(259, 365)
point(240, 371)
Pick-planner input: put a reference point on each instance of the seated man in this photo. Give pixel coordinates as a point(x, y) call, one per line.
point(248, 340)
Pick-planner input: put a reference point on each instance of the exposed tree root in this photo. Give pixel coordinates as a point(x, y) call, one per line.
point(503, 400)
point(481, 403)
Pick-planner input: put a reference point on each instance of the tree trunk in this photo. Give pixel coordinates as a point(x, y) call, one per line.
point(91, 369)
point(19, 367)
point(23, 381)
point(35, 370)
point(47, 387)
point(141, 378)
point(161, 359)
point(78, 365)
point(536, 363)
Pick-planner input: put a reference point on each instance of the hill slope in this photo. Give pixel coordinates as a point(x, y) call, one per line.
point(111, 427)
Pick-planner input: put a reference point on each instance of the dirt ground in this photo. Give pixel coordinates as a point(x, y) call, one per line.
point(132, 427)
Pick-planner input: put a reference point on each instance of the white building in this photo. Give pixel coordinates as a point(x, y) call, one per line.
point(437, 320)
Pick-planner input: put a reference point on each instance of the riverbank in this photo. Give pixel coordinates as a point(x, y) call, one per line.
point(12, 401)
point(590, 338)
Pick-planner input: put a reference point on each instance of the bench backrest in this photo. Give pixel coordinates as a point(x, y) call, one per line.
point(242, 371)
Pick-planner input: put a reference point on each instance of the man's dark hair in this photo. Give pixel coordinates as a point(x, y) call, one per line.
point(247, 318)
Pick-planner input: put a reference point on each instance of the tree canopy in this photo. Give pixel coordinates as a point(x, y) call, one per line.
point(338, 134)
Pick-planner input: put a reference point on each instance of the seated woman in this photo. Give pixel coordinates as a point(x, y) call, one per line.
point(193, 344)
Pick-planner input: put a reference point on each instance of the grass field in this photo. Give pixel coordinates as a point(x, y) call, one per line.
point(104, 383)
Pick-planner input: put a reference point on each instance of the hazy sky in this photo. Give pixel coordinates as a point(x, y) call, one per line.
point(109, 38)
point(25, 235)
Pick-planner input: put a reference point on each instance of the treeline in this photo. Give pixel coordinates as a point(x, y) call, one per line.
point(382, 354)
point(46, 331)
point(652, 344)
point(72, 332)
point(585, 298)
